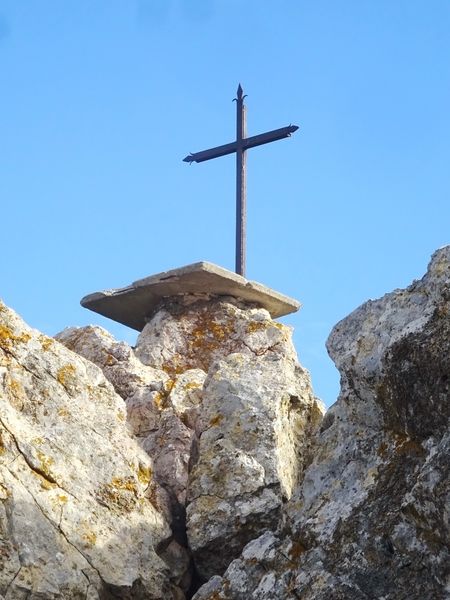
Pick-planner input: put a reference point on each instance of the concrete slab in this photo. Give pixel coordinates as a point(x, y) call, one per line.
point(135, 304)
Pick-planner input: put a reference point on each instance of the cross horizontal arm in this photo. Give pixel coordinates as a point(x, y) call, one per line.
point(251, 142)
point(211, 153)
point(269, 136)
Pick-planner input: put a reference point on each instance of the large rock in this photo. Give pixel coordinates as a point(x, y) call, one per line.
point(370, 519)
point(79, 511)
point(157, 421)
point(236, 443)
point(190, 333)
point(162, 412)
point(258, 416)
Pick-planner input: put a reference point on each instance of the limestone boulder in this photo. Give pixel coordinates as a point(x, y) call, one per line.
point(370, 517)
point(79, 513)
point(116, 359)
point(192, 334)
point(156, 405)
point(217, 398)
point(258, 417)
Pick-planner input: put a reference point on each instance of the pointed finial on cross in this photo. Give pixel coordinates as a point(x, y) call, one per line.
point(240, 146)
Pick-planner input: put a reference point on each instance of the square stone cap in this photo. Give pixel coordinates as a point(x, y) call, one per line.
point(135, 304)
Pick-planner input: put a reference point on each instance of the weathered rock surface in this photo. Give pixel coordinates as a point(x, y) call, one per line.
point(156, 421)
point(78, 504)
point(259, 416)
point(235, 443)
point(193, 333)
point(370, 518)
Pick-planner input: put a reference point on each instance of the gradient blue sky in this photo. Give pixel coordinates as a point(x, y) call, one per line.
point(101, 99)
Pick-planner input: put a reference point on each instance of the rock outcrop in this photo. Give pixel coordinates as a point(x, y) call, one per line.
point(370, 518)
point(216, 396)
point(79, 513)
point(201, 455)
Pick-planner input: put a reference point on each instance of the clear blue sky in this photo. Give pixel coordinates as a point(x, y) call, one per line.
point(101, 99)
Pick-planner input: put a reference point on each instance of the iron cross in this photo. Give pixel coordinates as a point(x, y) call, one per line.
point(240, 146)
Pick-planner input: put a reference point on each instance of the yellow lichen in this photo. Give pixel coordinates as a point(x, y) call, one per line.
point(121, 483)
point(192, 385)
point(208, 334)
point(168, 385)
point(144, 474)
point(120, 493)
point(8, 337)
point(110, 360)
point(66, 374)
point(90, 538)
point(45, 463)
point(46, 342)
point(16, 390)
point(257, 326)
point(63, 412)
point(158, 399)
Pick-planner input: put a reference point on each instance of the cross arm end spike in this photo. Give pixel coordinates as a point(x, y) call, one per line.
point(189, 158)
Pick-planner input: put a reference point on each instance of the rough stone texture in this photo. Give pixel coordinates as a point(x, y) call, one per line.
point(235, 443)
point(257, 416)
point(162, 412)
point(78, 505)
point(195, 334)
point(116, 359)
point(157, 423)
point(370, 519)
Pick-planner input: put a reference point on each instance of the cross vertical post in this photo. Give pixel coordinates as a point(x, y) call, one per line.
point(240, 146)
point(241, 189)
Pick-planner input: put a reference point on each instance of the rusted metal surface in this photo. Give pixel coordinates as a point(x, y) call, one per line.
point(241, 188)
point(240, 146)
